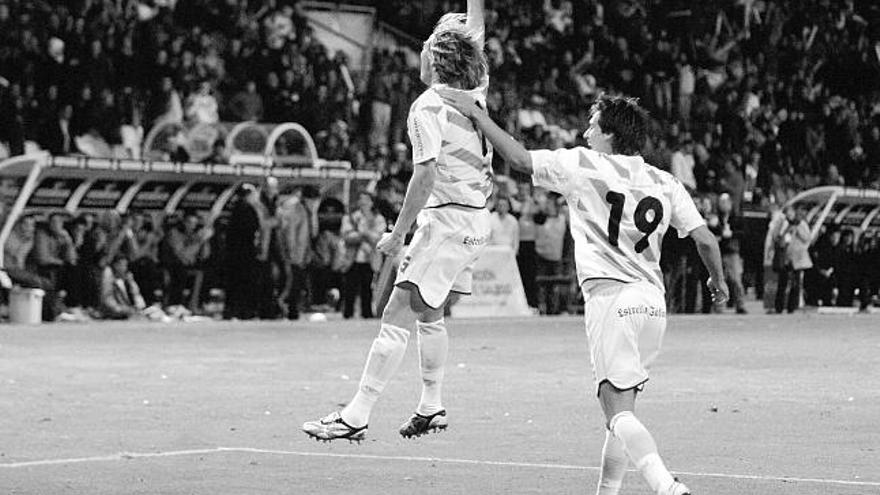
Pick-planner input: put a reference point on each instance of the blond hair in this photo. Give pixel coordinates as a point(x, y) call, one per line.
point(456, 58)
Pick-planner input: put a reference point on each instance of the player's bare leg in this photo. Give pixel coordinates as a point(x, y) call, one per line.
point(637, 442)
point(384, 358)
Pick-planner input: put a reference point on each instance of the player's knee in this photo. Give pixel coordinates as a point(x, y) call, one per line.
point(429, 315)
point(615, 400)
point(397, 311)
point(453, 298)
point(419, 306)
point(391, 336)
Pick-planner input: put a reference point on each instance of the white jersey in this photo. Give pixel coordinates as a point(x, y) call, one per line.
point(620, 208)
point(464, 157)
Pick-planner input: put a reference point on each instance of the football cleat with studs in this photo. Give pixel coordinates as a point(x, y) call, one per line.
point(333, 427)
point(418, 424)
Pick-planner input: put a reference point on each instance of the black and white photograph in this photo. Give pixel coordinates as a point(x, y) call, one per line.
point(439, 247)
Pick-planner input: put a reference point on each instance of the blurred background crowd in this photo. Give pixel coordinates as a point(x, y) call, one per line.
point(751, 101)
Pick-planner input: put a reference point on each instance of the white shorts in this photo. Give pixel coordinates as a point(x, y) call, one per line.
point(441, 256)
point(625, 326)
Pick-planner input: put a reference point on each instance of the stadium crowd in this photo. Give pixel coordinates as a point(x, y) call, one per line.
point(751, 102)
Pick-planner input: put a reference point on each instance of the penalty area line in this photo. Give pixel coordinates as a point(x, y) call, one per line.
point(444, 460)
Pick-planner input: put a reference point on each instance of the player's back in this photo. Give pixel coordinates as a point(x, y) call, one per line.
point(620, 208)
point(463, 156)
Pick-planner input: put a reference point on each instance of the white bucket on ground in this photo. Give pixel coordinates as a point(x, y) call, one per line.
point(26, 306)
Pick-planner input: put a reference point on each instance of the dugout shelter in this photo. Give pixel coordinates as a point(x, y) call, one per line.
point(41, 183)
point(845, 207)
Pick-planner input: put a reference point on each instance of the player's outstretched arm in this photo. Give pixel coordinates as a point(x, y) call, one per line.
point(707, 247)
point(476, 18)
point(417, 193)
point(510, 149)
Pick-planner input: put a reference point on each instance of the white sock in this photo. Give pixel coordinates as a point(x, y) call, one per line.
point(614, 462)
point(433, 348)
point(385, 356)
point(642, 450)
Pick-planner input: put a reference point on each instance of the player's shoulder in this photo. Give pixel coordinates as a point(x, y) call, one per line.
point(662, 176)
point(429, 101)
point(668, 183)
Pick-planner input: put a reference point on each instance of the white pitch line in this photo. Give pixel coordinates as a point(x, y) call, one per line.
point(538, 465)
point(104, 458)
point(446, 460)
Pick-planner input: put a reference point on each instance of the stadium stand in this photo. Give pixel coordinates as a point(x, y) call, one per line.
point(756, 100)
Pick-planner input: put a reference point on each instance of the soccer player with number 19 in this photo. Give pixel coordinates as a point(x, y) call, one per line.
point(620, 209)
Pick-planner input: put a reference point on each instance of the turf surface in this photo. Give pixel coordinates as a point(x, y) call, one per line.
point(736, 404)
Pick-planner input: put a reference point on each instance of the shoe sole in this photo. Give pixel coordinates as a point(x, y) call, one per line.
point(328, 440)
point(433, 429)
point(357, 439)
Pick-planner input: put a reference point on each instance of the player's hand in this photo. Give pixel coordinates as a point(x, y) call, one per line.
point(719, 290)
point(463, 102)
point(390, 243)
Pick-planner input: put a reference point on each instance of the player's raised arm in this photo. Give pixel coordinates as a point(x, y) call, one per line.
point(707, 247)
point(510, 149)
point(476, 19)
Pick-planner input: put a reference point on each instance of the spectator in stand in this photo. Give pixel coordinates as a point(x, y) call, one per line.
point(526, 257)
point(327, 268)
point(795, 238)
point(683, 164)
point(505, 227)
point(166, 104)
point(188, 247)
point(869, 269)
point(732, 183)
point(826, 254)
point(202, 106)
point(296, 242)
point(696, 277)
point(549, 240)
point(247, 104)
point(686, 86)
point(77, 280)
point(381, 88)
point(241, 255)
point(145, 259)
point(729, 231)
point(120, 295)
point(103, 241)
point(53, 251)
point(401, 99)
point(361, 230)
point(16, 252)
point(847, 269)
point(401, 167)
point(57, 136)
point(269, 255)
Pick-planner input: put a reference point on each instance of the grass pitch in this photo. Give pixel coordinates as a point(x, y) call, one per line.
point(738, 405)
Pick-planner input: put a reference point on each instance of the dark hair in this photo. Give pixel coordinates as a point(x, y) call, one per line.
point(625, 119)
point(456, 59)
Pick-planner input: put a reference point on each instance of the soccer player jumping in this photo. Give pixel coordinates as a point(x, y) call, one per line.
point(620, 209)
point(451, 183)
